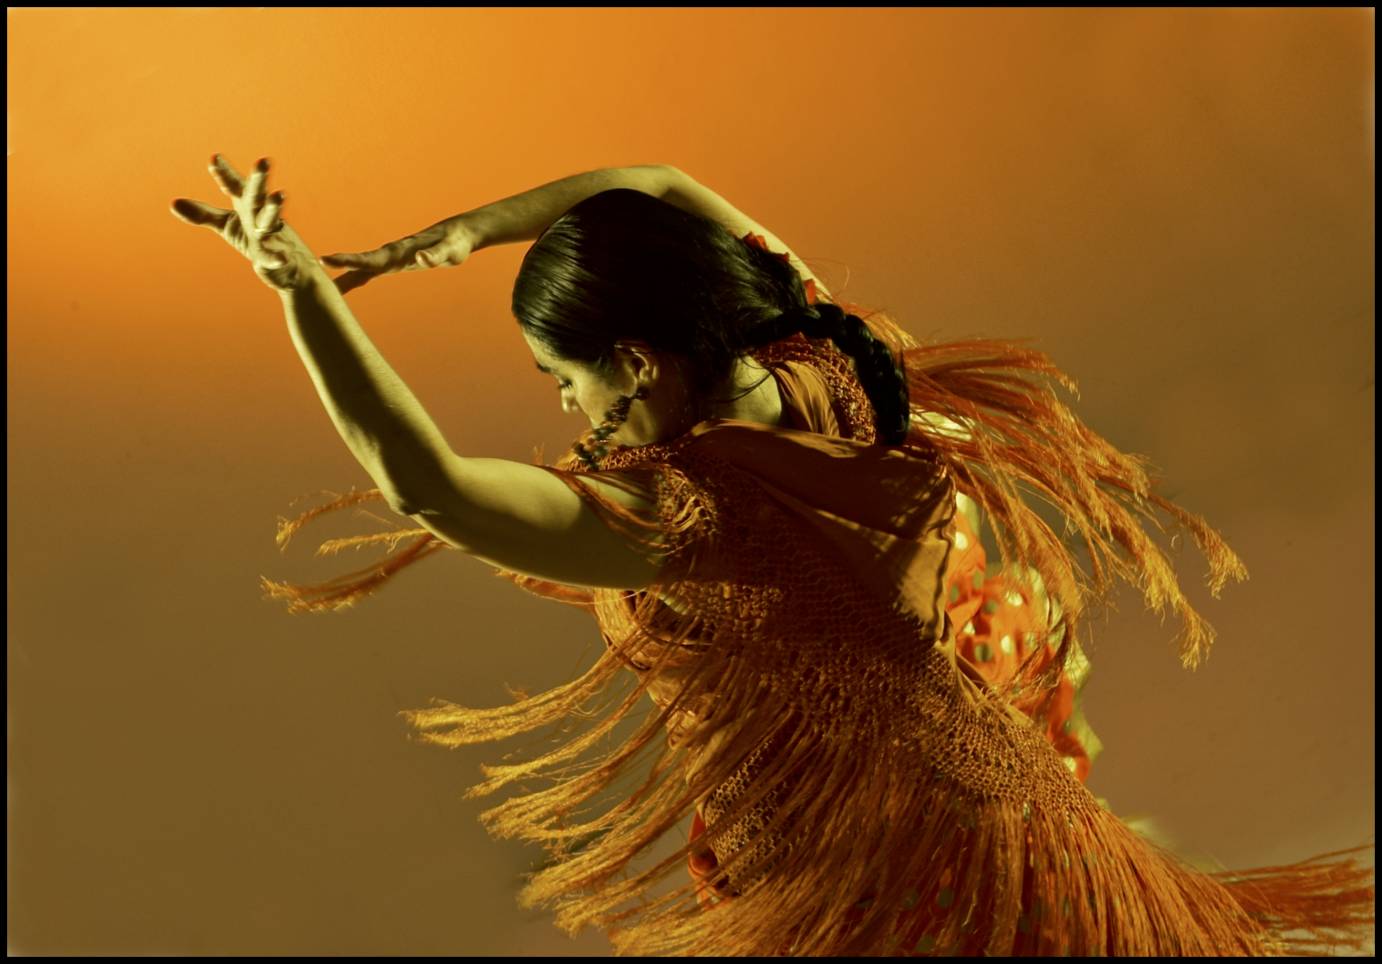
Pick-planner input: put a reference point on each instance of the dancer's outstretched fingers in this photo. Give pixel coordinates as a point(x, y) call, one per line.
point(226, 176)
point(253, 198)
point(267, 219)
point(376, 260)
point(195, 212)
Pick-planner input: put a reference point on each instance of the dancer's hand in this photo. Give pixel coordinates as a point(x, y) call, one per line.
point(253, 226)
point(444, 244)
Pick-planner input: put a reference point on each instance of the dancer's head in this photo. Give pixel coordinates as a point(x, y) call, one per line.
point(625, 291)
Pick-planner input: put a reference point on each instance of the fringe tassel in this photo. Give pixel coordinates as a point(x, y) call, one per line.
point(346, 590)
point(1333, 901)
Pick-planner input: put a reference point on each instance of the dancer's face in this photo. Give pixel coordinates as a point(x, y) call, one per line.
point(661, 416)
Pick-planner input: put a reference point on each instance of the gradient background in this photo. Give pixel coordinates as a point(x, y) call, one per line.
point(1178, 206)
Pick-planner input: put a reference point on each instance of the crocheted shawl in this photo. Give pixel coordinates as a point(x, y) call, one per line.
point(863, 791)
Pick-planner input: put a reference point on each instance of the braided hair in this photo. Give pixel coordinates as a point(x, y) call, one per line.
point(882, 378)
point(624, 265)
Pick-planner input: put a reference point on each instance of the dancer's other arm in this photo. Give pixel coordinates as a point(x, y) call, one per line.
point(523, 217)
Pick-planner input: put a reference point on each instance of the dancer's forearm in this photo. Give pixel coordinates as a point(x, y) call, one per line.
point(523, 217)
point(376, 414)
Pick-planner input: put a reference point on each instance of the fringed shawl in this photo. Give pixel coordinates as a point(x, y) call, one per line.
point(863, 791)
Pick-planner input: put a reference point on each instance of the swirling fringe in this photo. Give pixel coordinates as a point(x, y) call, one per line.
point(346, 590)
point(989, 408)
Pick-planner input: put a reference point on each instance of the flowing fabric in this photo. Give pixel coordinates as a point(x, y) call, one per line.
point(864, 772)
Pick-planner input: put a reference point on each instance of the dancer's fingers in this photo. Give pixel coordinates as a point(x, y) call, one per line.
point(195, 212)
point(265, 221)
point(343, 260)
point(255, 186)
point(226, 176)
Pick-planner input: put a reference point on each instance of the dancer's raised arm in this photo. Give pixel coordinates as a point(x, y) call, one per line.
point(508, 513)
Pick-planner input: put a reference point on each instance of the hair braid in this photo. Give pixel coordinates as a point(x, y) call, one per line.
point(880, 374)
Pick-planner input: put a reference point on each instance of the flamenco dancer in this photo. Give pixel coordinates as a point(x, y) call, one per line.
point(775, 520)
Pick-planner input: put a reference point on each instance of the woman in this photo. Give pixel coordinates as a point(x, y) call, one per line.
point(869, 734)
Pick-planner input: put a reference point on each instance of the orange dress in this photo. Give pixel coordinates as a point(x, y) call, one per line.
point(997, 617)
point(836, 700)
point(860, 776)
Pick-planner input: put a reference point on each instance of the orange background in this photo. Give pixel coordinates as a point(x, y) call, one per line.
point(1177, 205)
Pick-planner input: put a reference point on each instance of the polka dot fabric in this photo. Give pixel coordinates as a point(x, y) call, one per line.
point(1002, 616)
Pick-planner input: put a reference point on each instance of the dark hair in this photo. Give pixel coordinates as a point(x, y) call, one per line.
point(625, 265)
